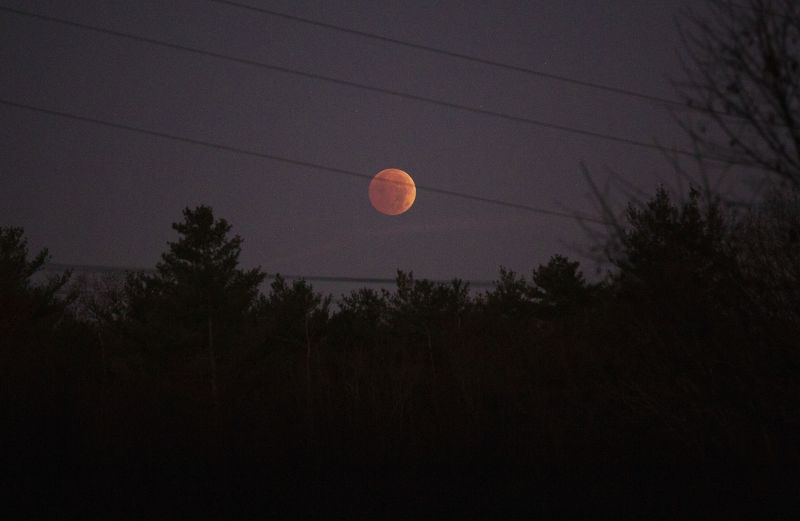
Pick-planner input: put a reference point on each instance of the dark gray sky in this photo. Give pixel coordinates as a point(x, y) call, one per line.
point(95, 195)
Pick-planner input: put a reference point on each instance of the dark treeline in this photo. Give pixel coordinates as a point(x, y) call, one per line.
point(190, 380)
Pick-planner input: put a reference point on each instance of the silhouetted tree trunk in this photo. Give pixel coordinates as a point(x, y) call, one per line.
point(197, 301)
point(309, 415)
point(212, 364)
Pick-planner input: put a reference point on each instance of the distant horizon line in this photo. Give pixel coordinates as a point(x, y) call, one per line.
point(99, 268)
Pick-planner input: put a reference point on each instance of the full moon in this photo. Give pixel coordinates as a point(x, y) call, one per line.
point(392, 191)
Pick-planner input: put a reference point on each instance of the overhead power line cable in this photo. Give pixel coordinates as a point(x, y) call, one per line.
point(381, 90)
point(93, 268)
point(674, 103)
point(282, 159)
point(452, 54)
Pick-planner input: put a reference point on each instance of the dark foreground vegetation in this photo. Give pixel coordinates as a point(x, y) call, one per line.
point(673, 380)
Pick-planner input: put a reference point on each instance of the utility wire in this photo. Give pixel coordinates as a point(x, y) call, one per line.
point(93, 268)
point(305, 164)
point(483, 61)
point(674, 103)
point(399, 94)
point(452, 54)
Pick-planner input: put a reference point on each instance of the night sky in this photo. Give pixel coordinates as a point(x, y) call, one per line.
point(100, 196)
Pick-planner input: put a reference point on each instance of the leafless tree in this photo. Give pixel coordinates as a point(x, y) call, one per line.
point(742, 75)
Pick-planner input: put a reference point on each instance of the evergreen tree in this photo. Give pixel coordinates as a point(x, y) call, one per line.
point(676, 255)
point(200, 271)
point(294, 313)
point(421, 305)
point(20, 298)
point(362, 319)
point(768, 240)
point(511, 298)
point(198, 299)
point(559, 286)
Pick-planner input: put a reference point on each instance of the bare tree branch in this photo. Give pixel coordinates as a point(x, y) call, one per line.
point(741, 62)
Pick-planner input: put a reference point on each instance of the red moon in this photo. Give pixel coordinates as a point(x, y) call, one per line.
point(392, 191)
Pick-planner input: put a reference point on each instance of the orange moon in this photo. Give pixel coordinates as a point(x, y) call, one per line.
point(392, 191)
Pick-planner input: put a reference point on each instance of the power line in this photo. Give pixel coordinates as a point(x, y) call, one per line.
point(399, 94)
point(453, 54)
point(296, 162)
point(483, 61)
point(94, 268)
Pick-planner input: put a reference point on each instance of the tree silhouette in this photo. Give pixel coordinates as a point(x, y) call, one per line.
point(420, 307)
point(295, 317)
point(198, 298)
point(768, 241)
point(559, 287)
point(678, 261)
point(362, 319)
point(295, 314)
point(669, 247)
point(511, 298)
point(20, 297)
point(687, 352)
point(742, 67)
